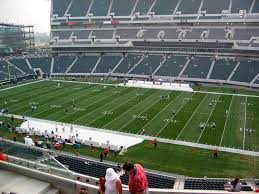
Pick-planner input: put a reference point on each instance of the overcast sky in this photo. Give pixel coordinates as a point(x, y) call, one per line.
point(33, 12)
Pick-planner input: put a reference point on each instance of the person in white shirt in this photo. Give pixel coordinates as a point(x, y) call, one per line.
point(113, 183)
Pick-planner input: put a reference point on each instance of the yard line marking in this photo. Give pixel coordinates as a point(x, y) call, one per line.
point(91, 103)
point(244, 137)
point(191, 117)
point(128, 110)
point(140, 113)
point(226, 121)
point(175, 114)
point(102, 105)
point(40, 97)
point(20, 85)
point(24, 95)
point(71, 94)
point(208, 119)
point(116, 105)
point(81, 102)
point(163, 109)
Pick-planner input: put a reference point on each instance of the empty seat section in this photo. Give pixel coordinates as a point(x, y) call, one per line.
point(205, 184)
point(44, 63)
point(198, 67)
point(107, 64)
point(218, 34)
point(172, 66)
point(245, 34)
point(187, 7)
point(122, 7)
point(82, 34)
point(148, 65)
point(84, 64)
point(164, 7)
point(103, 34)
point(98, 169)
point(100, 8)
point(3, 76)
point(256, 7)
point(3, 70)
point(246, 71)
point(222, 69)
point(238, 5)
point(60, 7)
point(12, 70)
point(62, 35)
point(150, 33)
point(127, 33)
point(24, 152)
point(128, 62)
point(22, 65)
point(61, 63)
point(143, 6)
point(215, 7)
point(79, 8)
point(171, 33)
point(194, 34)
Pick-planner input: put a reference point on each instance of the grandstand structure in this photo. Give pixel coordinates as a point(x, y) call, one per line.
point(202, 41)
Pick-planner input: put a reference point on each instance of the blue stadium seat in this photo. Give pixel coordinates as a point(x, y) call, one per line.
point(43, 63)
point(107, 63)
point(256, 7)
point(148, 65)
point(22, 65)
point(128, 62)
point(100, 8)
point(215, 7)
point(222, 69)
point(246, 71)
point(79, 8)
point(122, 7)
point(61, 63)
point(84, 64)
point(60, 7)
point(164, 7)
point(187, 7)
point(198, 67)
point(143, 6)
point(127, 33)
point(172, 66)
point(238, 5)
point(82, 34)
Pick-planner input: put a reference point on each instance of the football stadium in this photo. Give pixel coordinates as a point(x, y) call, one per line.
point(167, 87)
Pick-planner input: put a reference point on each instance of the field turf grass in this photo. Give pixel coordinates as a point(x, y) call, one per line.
point(170, 158)
point(131, 109)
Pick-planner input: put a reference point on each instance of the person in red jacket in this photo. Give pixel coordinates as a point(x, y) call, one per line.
point(105, 152)
point(138, 183)
point(3, 156)
point(216, 153)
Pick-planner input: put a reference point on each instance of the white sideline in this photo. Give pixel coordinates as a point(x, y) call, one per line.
point(21, 85)
point(176, 142)
point(244, 137)
point(208, 119)
point(174, 115)
point(203, 92)
point(226, 121)
point(191, 117)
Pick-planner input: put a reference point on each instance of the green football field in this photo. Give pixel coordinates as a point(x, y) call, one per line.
point(181, 117)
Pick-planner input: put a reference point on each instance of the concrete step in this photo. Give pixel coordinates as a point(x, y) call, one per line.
point(52, 191)
point(11, 182)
